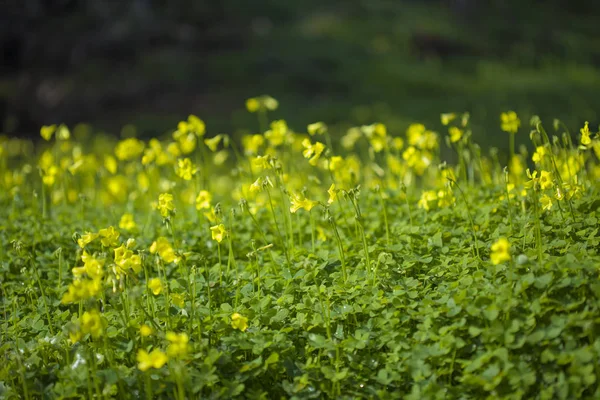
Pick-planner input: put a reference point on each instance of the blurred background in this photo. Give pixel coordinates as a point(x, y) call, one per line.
point(345, 62)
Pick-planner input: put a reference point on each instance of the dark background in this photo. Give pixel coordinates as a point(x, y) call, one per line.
point(152, 62)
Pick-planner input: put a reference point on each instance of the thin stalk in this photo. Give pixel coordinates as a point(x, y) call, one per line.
point(37, 277)
point(464, 198)
point(538, 229)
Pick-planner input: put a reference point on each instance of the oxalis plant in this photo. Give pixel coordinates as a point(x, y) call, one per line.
point(288, 264)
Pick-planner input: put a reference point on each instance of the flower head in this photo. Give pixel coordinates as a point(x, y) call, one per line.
point(91, 322)
point(312, 151)
point(585, 135)
point(500, 251)
point(332, 194)
point(218, 232)
point(164, 250)
point(155, 285)
point(299, 202)
point(203, 200)
point(546, 180)
point(510, 122)
point(239, 322)
point(317, 128)
point(86, 239)
point(47, 131)
point(156, 359)
point(185, 169)
point(145, 330)
point(165, 204)
point(127, 222)
point(446, 118)
point(178, 344)
point(213, 143)
point(455, 134)
point(129, 149)
point(109, 236)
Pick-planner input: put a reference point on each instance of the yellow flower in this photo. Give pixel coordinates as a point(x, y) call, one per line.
point(125, 260)
point(510, 122)
point(427, 197)
point(446, 118)
point(129, 149)
point(145, 330)
point(185, 169)
point(539, 154)
point(455, 134)
point(252, 104)
point(196, 125)
point(213, 142)
point(445, 198)
point(335, 163)
point(91, 322)
point(92, 267)
point(81, 289)
point(546, 180)
point(62, 132)
point(47, 131)
point(203, 200)
point(585, 135)
point(317, 128)
point(312, 151)
point(127, 222)
point(252, 143)
point(276, 135)
point(110, 163)
point(261, 103)
point(397, 143)
point(156, 359)
point(377, 135)
point(500, 251)
point(349, 140)
point(179, 344)
point(165, 204)
point(239, 322)
point(155, 285)
point(262, 162)
point(164, 250)
point(218, 232)
point(49, 175)
point(257, 185)
point(178, 300)
point(546, 202)
point(332, 194)
point(270, 103)
point(301, 202)
point(75, 336)
point(109, 236)
point(86, 239)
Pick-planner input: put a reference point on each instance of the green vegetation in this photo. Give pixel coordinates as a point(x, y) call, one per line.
point(292, 265)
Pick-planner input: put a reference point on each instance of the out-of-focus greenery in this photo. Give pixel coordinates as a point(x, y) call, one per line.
point(153, 62)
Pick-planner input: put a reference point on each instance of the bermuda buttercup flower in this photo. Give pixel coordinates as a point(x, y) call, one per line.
point(165, 204)
point(218, 232)
point(239, 322)
point(155, 285)
point(178, 346)
point(500, 251)
point(155, 359)
point(510, 122)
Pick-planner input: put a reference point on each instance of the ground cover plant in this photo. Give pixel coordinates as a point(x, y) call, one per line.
point(292, 264)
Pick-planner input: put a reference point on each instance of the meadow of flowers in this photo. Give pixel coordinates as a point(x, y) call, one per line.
point(300, 264)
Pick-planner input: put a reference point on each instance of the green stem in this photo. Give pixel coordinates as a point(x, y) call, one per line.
point(468, 207)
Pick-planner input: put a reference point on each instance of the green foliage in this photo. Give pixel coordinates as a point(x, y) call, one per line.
point(434, 282)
